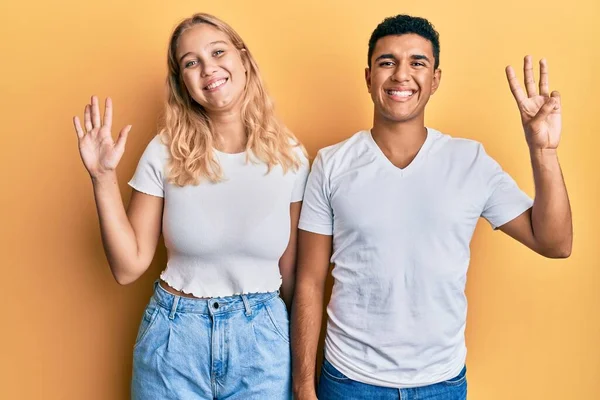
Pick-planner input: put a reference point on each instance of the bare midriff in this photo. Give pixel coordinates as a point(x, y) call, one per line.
point(176, 292)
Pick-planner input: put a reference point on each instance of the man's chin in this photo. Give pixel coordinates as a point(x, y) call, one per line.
point(400, 117)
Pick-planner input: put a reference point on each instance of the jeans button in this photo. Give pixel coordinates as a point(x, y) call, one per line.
point(216, 305)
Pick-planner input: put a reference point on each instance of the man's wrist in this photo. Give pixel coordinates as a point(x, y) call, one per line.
point(544, 157)
point(304, 390)
point(543, 153)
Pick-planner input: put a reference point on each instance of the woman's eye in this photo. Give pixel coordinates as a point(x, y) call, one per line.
point(218, 53)
point(190, 63)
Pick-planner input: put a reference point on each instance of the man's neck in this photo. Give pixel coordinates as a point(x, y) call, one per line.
point(399, 141)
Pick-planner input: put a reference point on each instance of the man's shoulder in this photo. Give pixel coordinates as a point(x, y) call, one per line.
point(454, 146)
point(455, 141)
point(346, 149)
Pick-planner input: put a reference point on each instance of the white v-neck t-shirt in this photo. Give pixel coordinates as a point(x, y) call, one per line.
point(401, 240)
point(223, 238)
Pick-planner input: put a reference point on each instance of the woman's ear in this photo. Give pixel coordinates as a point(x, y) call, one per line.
point(245, 61)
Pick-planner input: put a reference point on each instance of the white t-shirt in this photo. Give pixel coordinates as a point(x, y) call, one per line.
point(401, 250)
point(223, 238)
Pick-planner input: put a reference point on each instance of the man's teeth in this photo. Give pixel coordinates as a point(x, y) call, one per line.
point(403, 93)
point(216, 84)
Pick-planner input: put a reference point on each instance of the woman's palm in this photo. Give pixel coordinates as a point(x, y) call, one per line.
point(99, 152)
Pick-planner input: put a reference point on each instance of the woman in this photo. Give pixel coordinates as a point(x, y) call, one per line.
point(225, 180)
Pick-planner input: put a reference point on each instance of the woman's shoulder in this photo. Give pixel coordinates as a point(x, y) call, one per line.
point(298, 150)
point(157, 150)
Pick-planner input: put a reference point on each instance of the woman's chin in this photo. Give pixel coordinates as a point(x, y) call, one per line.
point(221, 106)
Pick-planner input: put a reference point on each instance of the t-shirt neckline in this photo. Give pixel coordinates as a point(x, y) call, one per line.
point(230, 156)
point(414, 164)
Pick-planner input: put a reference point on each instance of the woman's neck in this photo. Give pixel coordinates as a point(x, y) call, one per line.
point(229, 132)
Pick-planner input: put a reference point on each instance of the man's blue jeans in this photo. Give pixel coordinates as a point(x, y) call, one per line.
point(333, 385)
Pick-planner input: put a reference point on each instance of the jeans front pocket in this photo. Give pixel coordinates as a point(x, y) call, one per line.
point(330, 372)
point(458, 380)
point(278, 316)
point(149, 318)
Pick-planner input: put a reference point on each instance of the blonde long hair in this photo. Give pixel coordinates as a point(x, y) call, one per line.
point(187, 129)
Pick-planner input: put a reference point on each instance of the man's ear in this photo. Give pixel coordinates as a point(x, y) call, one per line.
point(437, 78)
point(368, 78)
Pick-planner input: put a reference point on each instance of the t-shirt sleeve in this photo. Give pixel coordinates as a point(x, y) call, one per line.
point(505, 200)
point(301, 176)
point(317, 215)
point(149, 174)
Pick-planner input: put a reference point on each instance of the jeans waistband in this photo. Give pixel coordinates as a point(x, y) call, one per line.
point(211, 306)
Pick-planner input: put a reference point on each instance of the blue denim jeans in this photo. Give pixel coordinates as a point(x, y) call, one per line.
point(228, 348)
point(333, 385)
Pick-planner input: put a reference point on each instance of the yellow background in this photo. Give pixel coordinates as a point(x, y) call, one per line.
point(67, 328)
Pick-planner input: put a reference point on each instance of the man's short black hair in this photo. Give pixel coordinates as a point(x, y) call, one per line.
point(403, 24)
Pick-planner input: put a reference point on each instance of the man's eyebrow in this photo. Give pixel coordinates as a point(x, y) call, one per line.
point(385, 57)
point(420, 57)
point(389, 56)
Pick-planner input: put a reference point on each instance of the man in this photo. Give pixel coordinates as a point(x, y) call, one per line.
point(394, 209)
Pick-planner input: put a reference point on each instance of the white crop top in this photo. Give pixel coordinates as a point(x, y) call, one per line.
point(223, 238)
